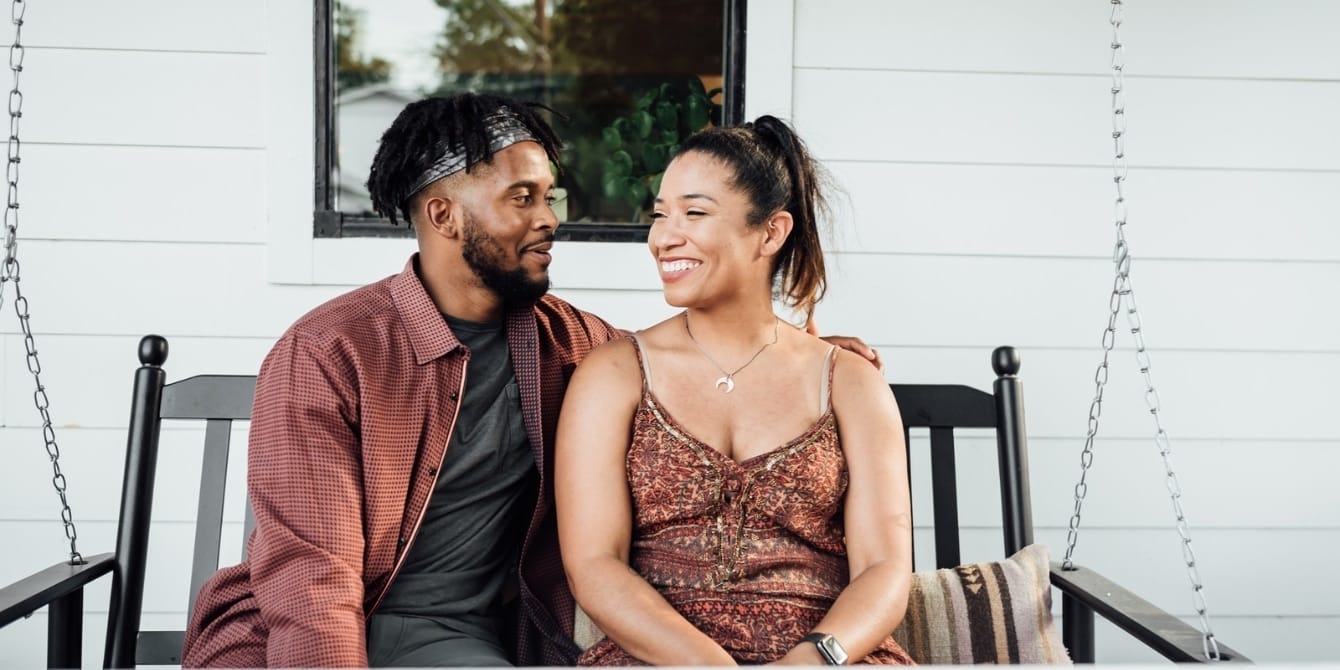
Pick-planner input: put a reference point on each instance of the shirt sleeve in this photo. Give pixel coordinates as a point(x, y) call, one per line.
point(304, 482)
point(601, 330)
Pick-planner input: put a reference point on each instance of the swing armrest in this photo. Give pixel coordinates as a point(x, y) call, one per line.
point(22, 598)
point(1173, 638)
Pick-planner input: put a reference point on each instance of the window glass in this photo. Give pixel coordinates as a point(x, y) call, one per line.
point(627, 81)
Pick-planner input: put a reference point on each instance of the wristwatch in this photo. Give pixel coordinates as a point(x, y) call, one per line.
point(829, 648)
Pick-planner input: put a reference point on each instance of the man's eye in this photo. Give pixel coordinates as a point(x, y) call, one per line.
point(657, 215)
point(696, 212)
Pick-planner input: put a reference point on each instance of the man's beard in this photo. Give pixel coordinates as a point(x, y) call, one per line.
point(486, 257)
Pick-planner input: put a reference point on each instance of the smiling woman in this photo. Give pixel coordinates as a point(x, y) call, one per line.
point(603, 66)
point(731, 489)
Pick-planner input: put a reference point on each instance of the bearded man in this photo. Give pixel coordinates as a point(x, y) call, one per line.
point(400, 454)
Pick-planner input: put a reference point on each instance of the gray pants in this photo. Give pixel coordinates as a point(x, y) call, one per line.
point(409, 641)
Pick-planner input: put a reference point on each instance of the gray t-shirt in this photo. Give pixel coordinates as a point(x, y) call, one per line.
point(466, 549)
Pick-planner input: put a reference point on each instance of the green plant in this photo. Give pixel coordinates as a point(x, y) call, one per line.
point(641, 143)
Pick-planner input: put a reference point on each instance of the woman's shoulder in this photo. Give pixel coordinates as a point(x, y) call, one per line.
point(611, 372)
point(853, 373)
point(614, 354)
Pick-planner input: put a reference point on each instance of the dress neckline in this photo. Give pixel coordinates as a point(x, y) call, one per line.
point(667, 420)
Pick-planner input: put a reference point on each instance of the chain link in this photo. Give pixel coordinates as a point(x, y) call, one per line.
point(9, 273)
point(1124, 293)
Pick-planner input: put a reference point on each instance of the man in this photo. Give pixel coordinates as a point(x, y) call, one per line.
point(399, 462)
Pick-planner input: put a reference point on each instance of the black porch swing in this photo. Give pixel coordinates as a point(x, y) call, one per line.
point(940, 409)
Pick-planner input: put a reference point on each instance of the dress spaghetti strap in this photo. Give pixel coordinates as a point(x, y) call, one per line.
point(642, 362)
point(826, 381)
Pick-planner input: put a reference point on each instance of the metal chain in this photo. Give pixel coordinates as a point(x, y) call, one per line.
point(1124, 292)
point(9, 272)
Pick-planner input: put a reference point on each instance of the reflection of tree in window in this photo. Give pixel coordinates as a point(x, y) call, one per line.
point(590, 60)
point(353, 68)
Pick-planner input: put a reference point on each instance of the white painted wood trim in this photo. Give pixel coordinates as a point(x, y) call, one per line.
point(769, 58)
point(290, 154)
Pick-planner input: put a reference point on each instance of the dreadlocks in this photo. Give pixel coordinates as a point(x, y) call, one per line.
point(426, 129)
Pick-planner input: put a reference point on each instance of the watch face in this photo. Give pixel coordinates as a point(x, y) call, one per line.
point(832, 651)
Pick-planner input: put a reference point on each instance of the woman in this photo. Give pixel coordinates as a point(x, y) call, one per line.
point(731, 489)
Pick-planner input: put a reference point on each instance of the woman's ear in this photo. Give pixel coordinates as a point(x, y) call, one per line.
point(775, 231)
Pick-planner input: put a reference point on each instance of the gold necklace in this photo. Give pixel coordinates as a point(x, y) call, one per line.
point(726, 383)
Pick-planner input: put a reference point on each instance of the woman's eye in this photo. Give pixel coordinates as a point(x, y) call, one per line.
point(657, 215)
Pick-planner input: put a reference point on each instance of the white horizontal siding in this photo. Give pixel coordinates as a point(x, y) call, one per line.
point(1208, 395)
point(214, 290)
point(89, 377)
point(1239, 305)
point(1273, 39)
point(1126, 485)
point(91, 96)
point(1065, 120)
point(894, 206)
point(147, 25)
point(95, 458)
point(142, 194)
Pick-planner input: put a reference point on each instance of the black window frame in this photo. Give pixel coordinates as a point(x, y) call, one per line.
point(329, 222)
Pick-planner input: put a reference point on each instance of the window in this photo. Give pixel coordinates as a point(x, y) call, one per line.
point(627, 80)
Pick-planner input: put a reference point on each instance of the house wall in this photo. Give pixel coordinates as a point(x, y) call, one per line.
point(166, 188)
point(973, 140)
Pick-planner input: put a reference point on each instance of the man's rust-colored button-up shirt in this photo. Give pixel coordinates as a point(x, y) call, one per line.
point(353, 410)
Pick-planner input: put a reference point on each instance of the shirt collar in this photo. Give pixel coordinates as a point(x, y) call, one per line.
point(428, 332)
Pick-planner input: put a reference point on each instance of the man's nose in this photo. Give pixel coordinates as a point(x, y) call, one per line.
point(547, 219)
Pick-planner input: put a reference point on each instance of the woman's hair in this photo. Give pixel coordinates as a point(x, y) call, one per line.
point(426, 129)
point(774, 169)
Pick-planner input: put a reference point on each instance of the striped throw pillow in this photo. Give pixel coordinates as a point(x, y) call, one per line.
point(998, 612)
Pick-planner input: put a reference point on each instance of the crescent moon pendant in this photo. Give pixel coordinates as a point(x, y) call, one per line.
point(726, 384)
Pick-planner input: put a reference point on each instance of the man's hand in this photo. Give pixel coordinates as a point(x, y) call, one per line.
point(853, 344)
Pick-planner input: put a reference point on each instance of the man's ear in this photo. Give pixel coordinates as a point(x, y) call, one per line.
point(441, 214)
point(775, 231)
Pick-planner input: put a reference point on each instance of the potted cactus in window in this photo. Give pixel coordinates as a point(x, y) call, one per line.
point(640, 144)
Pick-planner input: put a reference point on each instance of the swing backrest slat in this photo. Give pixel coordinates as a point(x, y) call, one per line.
point(219, 401)
point(941, 410)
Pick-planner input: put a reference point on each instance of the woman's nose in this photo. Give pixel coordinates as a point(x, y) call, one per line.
point(664, 233)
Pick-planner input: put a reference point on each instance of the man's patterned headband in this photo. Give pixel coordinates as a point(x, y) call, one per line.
point(504, 129)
